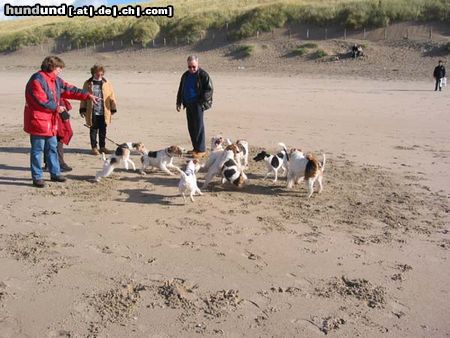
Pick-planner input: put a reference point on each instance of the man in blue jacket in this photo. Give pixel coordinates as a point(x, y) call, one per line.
point(195, 94)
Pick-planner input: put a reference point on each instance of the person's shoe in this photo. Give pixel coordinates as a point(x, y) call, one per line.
point(198, 154)
point(58, 178)
point(105, 151)
point(95, 151)
point(39, 183)
point(65, 167)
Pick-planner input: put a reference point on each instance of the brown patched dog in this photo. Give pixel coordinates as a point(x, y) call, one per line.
point(314, 172)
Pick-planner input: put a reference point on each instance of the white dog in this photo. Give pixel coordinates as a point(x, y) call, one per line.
point(122, 153)
point(188, 181)
point(306, 168)
point(161, 159)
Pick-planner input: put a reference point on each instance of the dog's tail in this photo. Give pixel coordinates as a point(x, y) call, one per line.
point(181, 172)
point(283, 147)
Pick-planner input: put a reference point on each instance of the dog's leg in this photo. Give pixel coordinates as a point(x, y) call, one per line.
point(275, 173)
point(132, 164)
point(224, 180)
point(192, 196)
point(284, 170)
point(198, 191)
point(167, 171)
point(310, 185)
point(171, 165)
point(184, 197)
point(208, 178)
point(319, 180)
point(125, 164)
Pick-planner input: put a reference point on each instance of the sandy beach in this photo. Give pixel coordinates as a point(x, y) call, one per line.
point(126, 257)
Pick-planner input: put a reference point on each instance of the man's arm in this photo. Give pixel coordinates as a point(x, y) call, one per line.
point(69, 91)
point(180, 94)
point(207, 87)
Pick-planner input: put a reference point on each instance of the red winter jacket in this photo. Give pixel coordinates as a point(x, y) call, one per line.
point(43, 93)
point(64, 132)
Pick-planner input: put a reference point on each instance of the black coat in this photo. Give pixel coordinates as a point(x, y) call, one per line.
point(439, 72)
point(204, 89)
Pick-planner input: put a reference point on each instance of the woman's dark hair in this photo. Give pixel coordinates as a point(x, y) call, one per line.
point(97, 68)
point(50, 63)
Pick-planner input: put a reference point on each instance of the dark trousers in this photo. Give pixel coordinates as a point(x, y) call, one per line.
point(98, 126)
point(438, 84)
point(196, 127)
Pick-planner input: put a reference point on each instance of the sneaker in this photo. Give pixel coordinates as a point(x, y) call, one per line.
point(198, 154)
point(105, 151)
point(65, 167)
point(58, 178)
point(39, 183)
point(95, 151)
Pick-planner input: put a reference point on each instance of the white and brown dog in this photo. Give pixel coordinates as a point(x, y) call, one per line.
point(242, 156)
point(122, 154)
point(306, 168)
point(188, 180)
point(217, 143)
point(274, 162)
point(161, 159)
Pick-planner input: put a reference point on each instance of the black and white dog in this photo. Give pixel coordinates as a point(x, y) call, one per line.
point(122, 153)
point(232, 172)
point(161, 159)
point(274, 162)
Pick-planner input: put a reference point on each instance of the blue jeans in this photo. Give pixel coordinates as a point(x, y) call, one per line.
point(196, 127)
point(47, 145)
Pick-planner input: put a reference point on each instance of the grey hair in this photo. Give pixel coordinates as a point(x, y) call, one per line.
point(192, 58)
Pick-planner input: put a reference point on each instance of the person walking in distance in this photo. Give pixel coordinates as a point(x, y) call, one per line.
point(195, 93)
point(439, 74)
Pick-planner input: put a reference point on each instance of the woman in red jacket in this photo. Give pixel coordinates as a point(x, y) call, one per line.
point(43, 95)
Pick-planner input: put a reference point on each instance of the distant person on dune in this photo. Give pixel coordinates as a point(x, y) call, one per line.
point(195, 94)
point(98, 115)
point(357, 51)
point(439, 75)
point(43, 102)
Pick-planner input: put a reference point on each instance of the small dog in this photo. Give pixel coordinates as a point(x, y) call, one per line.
point(216, 161)
point(231, 172)
point(122, 153)
point(217, 143)
point(243, 153)
point(161, 159)
point(274, 162)
point(306, 168)
point(188, 181)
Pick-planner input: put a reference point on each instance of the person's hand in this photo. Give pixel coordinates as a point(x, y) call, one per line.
point(178, 107)
point(94, 98)
point(60, 109)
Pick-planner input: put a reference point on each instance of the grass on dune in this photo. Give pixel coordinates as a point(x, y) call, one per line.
point(245, 18)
